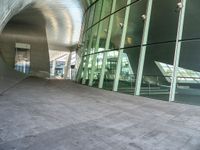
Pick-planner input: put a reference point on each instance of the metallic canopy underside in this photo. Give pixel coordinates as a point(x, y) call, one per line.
point(63, 18)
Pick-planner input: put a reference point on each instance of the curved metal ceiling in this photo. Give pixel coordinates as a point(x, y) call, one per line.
point(63, 18)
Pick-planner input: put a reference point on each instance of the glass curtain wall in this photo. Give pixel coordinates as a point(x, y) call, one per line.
point(131, 53)
point(188, 80)
point(160, 48)
point(98, 55)
point(158, 68)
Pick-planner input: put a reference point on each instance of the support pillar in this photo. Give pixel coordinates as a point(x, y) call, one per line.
point(147, 18)
point(87, 59)
point(101, 81)
point(67, 68)
point(94, 59)
point(122, 43)
point(182, 6)
point(83, 47)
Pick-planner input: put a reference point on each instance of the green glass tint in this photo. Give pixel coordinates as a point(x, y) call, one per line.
point(91, 16)
point(94, 38)
point(117, 29)
point(87, 41)
point(97, 70)
point(188, 80)
point(192, 20)
point(98, 10)
point(87, 16)
point(107, 5)
point(120, 4)
point(164, 21)
point(160, 48)
point(103, 34)
point(110, 69)
point(136, 23)
point(128, 73)
point(82, 69)
point(87, 68)
point(155, 82)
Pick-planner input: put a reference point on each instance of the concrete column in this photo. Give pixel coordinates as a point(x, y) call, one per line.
point(67, 69)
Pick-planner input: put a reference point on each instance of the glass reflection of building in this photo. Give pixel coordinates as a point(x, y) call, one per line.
point(147, 47)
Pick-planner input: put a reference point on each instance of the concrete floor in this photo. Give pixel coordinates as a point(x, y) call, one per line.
point(60, 115)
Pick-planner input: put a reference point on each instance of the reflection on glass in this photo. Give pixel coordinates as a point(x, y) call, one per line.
point(188, 81)
point(120, 4)
point(135, 23)
point(192, 20)
point(117, 29)
point(86, 20)
point(98, 10)
point(103, 34)
point(110, 69)
point(94, 38)
point(164, 21)
point(82, 70)
point(184, 75)
point(155, 84)
point(128, 72)
point(158, 67)
point(91, 16)
point(88, 68)
point(86, 42)
point(97, 71)
point(107, 4)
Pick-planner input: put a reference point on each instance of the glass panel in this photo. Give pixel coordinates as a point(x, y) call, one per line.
point(120, 4)
point(107, 5)
point(98, 11)
point(192, 20)
point(129, 67)
point(97, 71)
point(188, 81)
point(91, 15)
point(110, 69)
point(88, 69)
point(156, 79)
point(87, 40)
point(82, 71)
point(136, 23)
point(86, 20)
point(164, 21)
point(94, 38)
point(103, 34)
point(92, 32)
point(117, 29)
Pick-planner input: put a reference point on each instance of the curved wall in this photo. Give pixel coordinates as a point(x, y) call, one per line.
point(101, 59)
point(9, 8)
point(17, 31)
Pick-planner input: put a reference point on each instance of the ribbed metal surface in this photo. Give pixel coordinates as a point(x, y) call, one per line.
point(63, 18)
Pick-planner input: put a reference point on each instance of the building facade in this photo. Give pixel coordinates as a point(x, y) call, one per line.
point(143, 47)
